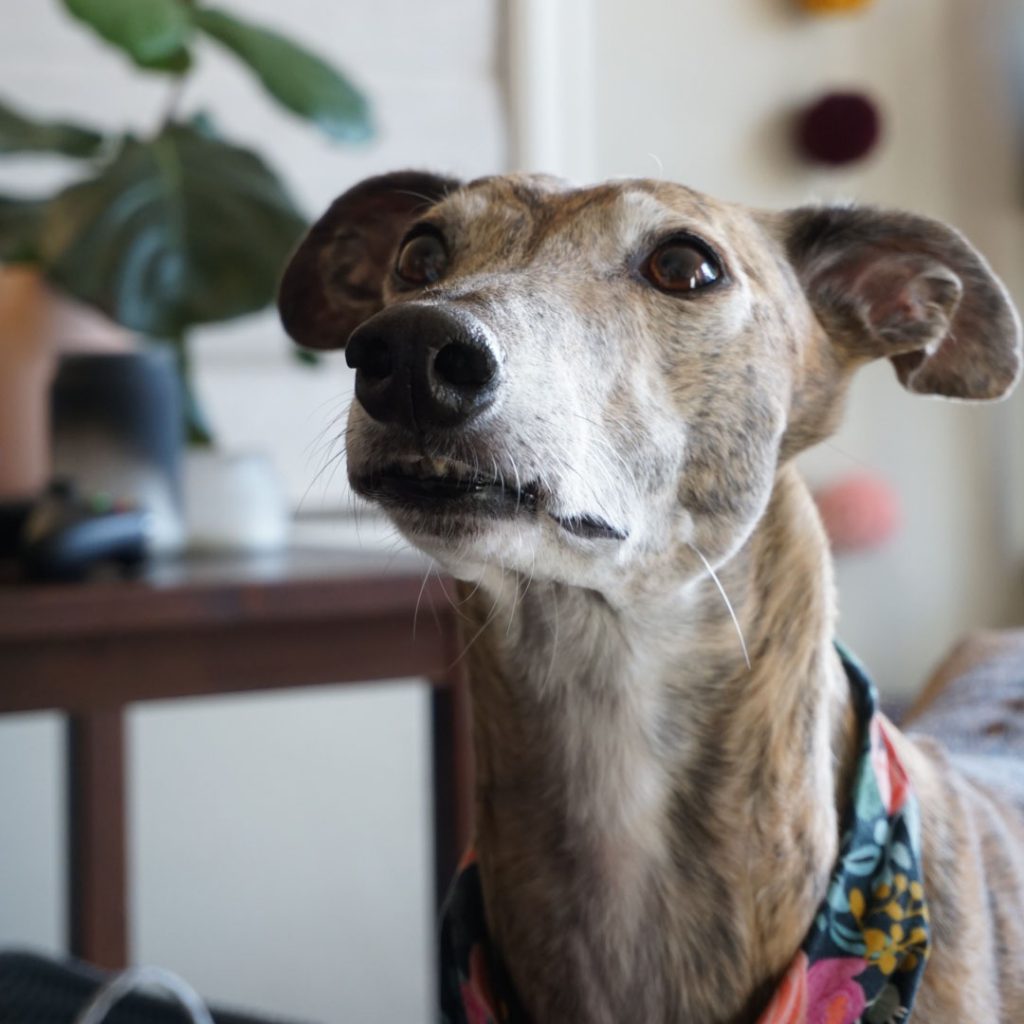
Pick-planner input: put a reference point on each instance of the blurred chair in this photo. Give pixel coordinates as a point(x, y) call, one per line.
point(36, 989)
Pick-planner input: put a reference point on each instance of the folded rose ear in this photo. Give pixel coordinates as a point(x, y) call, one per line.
point(335, 279)
point(910, 289)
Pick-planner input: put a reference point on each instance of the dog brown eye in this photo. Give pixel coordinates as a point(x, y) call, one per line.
point(422, 260)
point(681, 266)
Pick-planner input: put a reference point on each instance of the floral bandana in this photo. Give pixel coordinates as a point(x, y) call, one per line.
point(861, 962)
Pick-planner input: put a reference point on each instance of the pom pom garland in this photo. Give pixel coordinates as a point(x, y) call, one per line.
point(839, 128)
point(859, 513)
point(833, 6)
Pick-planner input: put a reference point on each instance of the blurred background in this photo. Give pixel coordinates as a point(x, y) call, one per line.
point(279, 844)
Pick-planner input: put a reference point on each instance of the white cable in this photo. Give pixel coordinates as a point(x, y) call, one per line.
point(144, 977)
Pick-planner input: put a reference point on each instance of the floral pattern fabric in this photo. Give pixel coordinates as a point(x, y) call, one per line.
point(862, 961)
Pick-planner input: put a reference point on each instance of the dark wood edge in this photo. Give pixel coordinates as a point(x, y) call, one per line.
point(115, 609)
point(97, 839)
point(93, 673)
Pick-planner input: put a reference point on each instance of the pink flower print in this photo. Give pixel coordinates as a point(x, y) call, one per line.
point(833, 997)
point(476, 992)
point(789, 1004)
point(893, 782)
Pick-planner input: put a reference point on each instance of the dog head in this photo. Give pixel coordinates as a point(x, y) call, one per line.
point(588, 383)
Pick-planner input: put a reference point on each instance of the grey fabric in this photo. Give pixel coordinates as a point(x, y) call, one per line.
point(979, 718)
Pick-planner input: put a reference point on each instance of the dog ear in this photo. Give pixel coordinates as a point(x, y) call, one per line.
point(335, 278)
point(913, 290)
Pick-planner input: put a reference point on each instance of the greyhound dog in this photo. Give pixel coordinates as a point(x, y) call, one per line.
point(585, 404)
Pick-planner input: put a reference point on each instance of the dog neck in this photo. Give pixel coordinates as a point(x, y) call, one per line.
point(656, 823)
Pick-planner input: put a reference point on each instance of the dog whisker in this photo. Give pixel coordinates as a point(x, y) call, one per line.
point(728, 603)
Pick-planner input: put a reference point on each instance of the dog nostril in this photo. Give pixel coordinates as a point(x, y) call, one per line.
point(464, 365)
point(375, 362)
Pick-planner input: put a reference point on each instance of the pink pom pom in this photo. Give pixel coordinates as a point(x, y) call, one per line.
point(860, 513)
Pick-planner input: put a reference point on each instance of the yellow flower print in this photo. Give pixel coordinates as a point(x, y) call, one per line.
point(883, 948)
point(857, 904)
point(893, 910)
point(918, 938)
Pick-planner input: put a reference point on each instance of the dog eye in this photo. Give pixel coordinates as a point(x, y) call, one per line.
point(422, 260)
point(681, 266)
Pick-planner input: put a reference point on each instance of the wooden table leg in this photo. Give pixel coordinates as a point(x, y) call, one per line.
point(453, 776)
point(97, 890)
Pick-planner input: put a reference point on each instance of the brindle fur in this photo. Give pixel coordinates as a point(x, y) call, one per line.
point(657, 821)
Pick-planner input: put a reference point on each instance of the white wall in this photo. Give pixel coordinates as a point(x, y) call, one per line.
point(281, 855)
point(705, 94)
point(280, 848)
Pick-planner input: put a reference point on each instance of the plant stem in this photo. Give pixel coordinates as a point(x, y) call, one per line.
point(173, 101)
point(196, 429)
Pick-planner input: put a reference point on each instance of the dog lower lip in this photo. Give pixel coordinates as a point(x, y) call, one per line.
point(441, 486)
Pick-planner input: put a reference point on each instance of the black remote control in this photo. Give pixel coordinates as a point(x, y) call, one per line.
point(65, 534)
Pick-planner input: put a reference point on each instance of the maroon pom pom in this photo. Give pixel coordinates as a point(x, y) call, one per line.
point(840, 128)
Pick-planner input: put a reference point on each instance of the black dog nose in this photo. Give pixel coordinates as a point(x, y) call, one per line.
point(420, 367)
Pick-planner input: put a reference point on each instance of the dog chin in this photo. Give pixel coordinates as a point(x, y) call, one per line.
point(491, 553)
point(467, 547)
point(454, 530)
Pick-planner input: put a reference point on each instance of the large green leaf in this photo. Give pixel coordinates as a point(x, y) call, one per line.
point(177, 231)
point(19, 134)
point(154, 33)
point(296, 78)
point(20, 221)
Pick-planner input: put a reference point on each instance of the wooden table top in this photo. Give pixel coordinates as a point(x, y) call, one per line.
point(223, 624)
point(201, 591)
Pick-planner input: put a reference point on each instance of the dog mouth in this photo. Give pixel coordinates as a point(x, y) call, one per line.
point(441, 484)
point(441, 490)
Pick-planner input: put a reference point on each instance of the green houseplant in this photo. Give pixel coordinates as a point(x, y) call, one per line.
point(180, 227)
